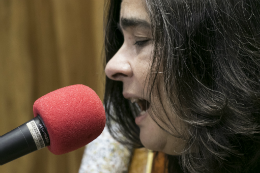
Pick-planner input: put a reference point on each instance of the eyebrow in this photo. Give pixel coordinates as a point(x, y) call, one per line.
point(133, 22)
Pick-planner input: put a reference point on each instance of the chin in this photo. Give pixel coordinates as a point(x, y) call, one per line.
point(152, 142)
point(158, 142)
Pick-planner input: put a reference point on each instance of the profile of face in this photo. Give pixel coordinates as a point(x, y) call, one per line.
point(130, 65)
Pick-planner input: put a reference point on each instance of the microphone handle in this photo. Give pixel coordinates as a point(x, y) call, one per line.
point(25, 139)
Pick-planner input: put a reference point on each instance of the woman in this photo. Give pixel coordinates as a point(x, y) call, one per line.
point(183, 78)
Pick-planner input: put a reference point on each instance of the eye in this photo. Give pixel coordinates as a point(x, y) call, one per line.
point(141, 43)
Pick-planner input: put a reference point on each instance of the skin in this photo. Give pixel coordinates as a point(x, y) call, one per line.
point(130, 65)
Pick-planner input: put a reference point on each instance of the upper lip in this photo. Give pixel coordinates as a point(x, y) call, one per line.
point(138, 100)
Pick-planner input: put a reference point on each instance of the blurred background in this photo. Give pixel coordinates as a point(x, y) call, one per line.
point(46, 45)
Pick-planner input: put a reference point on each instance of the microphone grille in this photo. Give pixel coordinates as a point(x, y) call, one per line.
point(73, 115)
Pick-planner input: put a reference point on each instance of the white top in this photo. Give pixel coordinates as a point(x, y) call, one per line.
point(105, 155)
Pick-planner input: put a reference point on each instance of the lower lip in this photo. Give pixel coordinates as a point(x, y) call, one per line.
point(141, 117)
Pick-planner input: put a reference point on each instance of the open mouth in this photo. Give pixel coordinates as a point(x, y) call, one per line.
point(142, 104)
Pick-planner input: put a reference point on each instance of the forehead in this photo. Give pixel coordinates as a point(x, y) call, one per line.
point(134, 9)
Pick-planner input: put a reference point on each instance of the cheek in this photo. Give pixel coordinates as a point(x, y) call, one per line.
point(164, 111)
point(141, 67)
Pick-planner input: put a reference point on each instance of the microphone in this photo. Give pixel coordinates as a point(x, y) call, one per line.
point(65, 120)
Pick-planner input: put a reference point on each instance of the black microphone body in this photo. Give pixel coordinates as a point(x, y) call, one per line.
point(29, 137)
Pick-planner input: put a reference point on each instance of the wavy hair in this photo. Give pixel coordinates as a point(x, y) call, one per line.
point(210, 54)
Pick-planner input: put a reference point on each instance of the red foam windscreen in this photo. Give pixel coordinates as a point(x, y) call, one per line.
point(73, 115)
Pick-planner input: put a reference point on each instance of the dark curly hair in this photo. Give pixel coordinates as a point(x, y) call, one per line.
point(210, 54)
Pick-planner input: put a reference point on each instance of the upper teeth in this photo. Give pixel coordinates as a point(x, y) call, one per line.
point(133, 100)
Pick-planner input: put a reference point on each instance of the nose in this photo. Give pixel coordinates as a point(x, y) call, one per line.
point(118, 67)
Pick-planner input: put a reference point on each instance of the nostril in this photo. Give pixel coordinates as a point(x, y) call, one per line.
point(117, 75)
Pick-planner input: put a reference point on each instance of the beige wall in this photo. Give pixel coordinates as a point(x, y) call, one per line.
point(45, 45)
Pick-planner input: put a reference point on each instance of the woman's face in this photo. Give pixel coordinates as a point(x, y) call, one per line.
point(130, 65)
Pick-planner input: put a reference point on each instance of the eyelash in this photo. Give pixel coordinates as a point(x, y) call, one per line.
point(141, 43)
